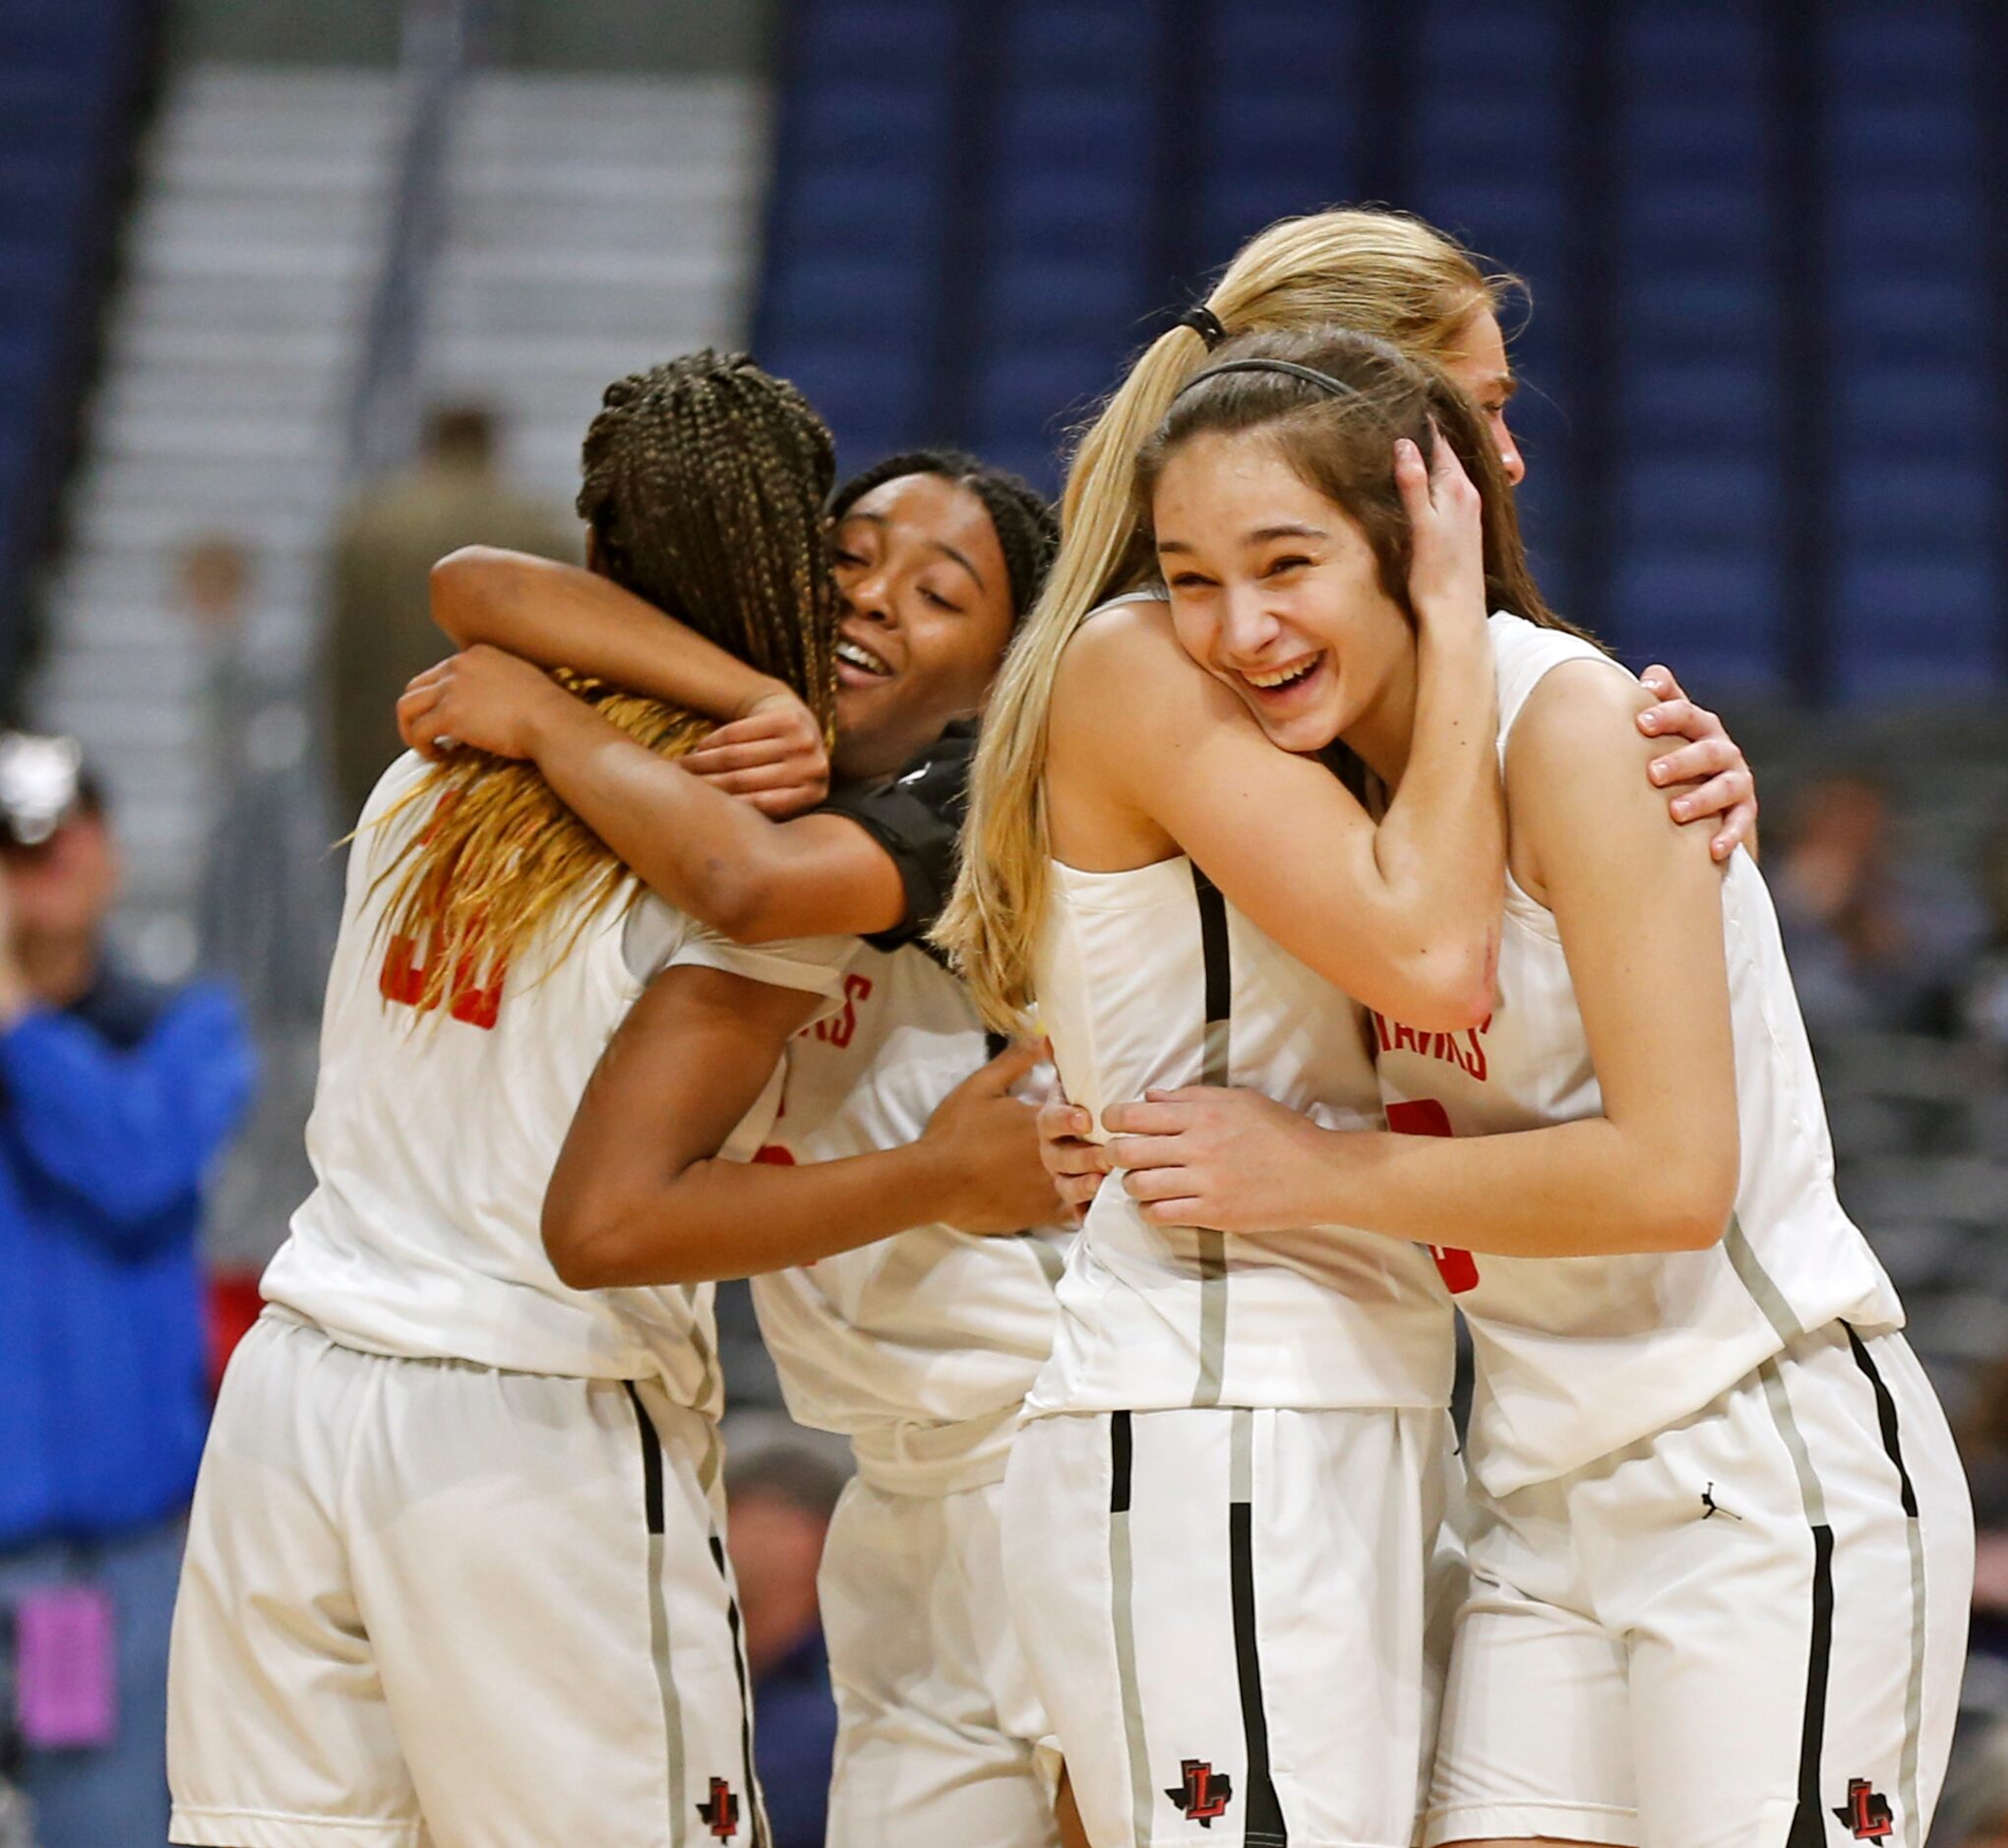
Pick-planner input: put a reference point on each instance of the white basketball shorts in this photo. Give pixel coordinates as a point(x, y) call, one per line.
point(1745, 1631)
point(939, 1732)
point(425, 1602)
point(1227, 1615)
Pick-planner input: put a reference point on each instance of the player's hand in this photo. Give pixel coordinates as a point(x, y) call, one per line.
point(1446, 559)
point(1234, 1160)
point(772, 754)
point(1075, 1163)
point(992, 1148)
point(483, 696)
point(1705, 772)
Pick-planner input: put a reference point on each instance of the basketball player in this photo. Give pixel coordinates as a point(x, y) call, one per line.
point(1221, 1512)
point(918, 1348)
point(455, 1571)
point(1722, 1551)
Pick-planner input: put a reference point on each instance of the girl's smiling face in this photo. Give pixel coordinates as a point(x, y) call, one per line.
point(926, 619)
point(1276, 591)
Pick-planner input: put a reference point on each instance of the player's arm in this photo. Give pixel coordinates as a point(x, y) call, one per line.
point(560, 615)
point(707, 852)
point(1402, 914)
point(1638, 904)
point(1410, 933)
point(639, 1195)
point(770, 747)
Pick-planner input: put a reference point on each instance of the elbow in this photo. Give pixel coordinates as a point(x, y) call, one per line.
point(585, 1243)
point(457, 581)
point(1690, 1206)
point(734, 902)
point(1450, 987)
point(735, 894)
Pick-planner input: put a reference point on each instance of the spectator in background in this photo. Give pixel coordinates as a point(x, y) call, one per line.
point(1984, 1448)
point(1873, 947)
point(1974, 1812)
point(386, 544)
point(115, 1097)
point(1983, 994)
point(271, 896)
point(781, 1498)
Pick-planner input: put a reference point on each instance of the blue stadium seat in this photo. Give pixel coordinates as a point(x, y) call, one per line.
point(1279, 127)
point(1713, 613)
point(986, 243)
point(1914, 474)
point(68, 70)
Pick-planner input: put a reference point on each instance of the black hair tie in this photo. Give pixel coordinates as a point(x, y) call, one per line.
point(1206, 323)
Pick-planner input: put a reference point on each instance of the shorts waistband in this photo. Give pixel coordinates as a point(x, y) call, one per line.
point(935, 1460)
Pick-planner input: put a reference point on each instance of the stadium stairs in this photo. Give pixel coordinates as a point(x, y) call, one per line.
point(595, 225)
point(221, 410)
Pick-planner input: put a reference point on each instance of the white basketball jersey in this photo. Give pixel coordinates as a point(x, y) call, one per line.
point(1578, 1357)
point(931, 1328)
point(1151, 978)
point(433, 1140)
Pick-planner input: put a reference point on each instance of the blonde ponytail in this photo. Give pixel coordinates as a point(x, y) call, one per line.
point(1380, 272)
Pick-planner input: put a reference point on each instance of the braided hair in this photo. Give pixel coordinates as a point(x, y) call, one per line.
point(703, 482)
point(1028, 528)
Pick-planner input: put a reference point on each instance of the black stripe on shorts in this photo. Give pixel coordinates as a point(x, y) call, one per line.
point(1262, 1826)
point(754, 1807)
point(1118, 1462)
point(1213, 948)
point(1886, 1417)
point(1808, 1820)
point(651, 1460)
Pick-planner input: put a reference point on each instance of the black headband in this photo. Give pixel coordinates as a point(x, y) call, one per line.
point(1324, 381)
point(1206, 323)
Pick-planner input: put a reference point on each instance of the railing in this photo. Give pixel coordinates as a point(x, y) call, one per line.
point(383, 422)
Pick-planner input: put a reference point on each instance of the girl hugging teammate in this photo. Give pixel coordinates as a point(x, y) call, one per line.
point(455, 1569)
point(1721, 1547)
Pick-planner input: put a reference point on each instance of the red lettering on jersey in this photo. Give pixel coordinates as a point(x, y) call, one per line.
point(774, 1156)
point(1465, 1050)
point(1425, 1115)
point(1475, 1065)
point(840, 1029)
point(402, 979)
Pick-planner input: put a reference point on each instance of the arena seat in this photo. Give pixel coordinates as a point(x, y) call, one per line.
point(70, 71)
point(856, 225)
point(1039, 176)
point(1915, 473)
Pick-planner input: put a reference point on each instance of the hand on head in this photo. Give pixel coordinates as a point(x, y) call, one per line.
point(1446, 559)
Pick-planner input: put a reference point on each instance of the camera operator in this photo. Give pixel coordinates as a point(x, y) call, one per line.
point(115, 1098)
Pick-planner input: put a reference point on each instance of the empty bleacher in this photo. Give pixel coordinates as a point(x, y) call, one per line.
point(1763, 417)
point(71, 75)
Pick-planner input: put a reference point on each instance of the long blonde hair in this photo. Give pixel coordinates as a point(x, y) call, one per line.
point(1381, 272)
point(704, 483)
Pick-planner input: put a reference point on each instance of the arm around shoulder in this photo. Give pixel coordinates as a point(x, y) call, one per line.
point(1279, 833)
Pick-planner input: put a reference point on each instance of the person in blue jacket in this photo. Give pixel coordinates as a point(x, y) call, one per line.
point(116, 1096)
